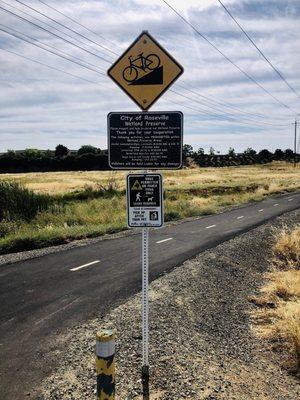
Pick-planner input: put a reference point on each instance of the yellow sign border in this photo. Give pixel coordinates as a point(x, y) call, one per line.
point(146, 107)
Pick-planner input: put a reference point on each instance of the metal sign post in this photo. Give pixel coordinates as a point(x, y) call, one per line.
point(145, 141)
point(145, 312)
point(145, 210)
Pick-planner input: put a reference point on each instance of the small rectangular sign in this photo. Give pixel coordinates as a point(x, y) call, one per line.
point(151, 140)
point(144, 200)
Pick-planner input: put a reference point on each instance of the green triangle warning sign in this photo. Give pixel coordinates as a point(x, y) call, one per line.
point(136, 186)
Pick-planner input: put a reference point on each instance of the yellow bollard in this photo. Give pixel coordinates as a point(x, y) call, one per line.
point(105, 362)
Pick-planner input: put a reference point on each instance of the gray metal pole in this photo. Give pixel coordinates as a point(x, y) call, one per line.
point(295, 144)
point(145, 312)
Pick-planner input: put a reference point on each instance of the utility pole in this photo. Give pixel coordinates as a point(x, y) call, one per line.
point(295, 144)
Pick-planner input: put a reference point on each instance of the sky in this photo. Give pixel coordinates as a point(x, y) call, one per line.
point(42, 107)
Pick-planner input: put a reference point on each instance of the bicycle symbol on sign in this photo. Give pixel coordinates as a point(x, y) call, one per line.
point(150, 62)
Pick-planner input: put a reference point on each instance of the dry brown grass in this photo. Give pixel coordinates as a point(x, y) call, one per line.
point(278, 319)
point(270, 178)
point(63, 182)
point(287, 249)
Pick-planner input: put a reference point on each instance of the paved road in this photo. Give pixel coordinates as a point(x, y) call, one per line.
point(42, 297)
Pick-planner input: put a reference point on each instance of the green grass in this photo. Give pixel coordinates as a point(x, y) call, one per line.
point(33, 220)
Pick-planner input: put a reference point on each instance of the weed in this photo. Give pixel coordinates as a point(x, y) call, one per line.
point(287, 249)
point(281, 324)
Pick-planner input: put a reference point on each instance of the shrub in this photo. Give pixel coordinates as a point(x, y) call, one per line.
point(7, 227)
point(87, 149)
point(17, 202)
point(287, 249)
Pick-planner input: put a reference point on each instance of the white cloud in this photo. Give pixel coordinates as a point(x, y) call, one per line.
point(40, 107)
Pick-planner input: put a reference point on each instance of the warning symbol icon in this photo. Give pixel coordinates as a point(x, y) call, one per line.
point(137, 186)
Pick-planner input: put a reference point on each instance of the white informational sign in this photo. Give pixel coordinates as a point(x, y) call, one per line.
point(144, 200)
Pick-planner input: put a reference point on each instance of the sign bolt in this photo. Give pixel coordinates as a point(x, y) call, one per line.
point(144, 101)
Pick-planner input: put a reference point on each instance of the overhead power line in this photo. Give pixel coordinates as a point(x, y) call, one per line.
point(226, 115)
point(227, 58)
point(51, 47)
point(53, 52)
point(54, 34)
point(66, 27)
point(199, 112)
point(222, 104)
point(46, 24)
point(258, 49)
point(99, 83)
point(187, 89)
point(78, 23)
point(50, 66)
point(238, 111)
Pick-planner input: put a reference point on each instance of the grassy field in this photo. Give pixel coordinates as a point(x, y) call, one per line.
point(278, 318)
point(77, 205)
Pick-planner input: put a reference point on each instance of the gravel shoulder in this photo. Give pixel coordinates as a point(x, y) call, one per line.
point(201, 342)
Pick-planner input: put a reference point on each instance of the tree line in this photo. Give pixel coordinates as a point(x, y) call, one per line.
point(92, 158)
point(249, 156)
point(61, 159)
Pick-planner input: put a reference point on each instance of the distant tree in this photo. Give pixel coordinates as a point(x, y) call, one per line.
point(265, 155)
point(32, 153)
point(88, 149)
point(279, 154)
point(10, 153)
point(48, 153)
point(289, 154)
point(231, 152)
point(200, 151)
point(211, 151)
point(250, 152)
point(61, 151)
point(187, 150)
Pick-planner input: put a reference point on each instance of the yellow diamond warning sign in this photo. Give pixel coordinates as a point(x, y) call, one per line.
point(145, 71)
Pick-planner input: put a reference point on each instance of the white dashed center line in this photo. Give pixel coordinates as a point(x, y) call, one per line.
point(290, 199)
point(84, 266)
point(164, 240)
point(261, 210)
point(240, 217)
point(210, 226)
point(275, 205)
